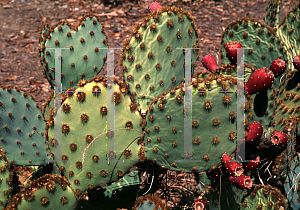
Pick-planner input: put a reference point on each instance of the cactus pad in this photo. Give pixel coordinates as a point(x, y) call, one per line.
point(84, 139)
point(150, 61)
point(22, 128)
point(84, 58)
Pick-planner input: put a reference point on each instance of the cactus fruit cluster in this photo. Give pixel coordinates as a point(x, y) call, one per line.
point(149, 113)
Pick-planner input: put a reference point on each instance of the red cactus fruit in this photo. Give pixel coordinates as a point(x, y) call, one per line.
point(255, 132)
point(296, 62)
point(260, 80)
point(278, 66)
point(209, 63)
point(244, 182)
point(199, 204)
point(279, 138)
point(253, 164)
point(231, 51)
point(154, 6)
point(232, 166)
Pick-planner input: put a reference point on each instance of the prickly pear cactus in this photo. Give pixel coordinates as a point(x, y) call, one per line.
point(47, 192)
point(85, 160)
point(288, 91)
point(292, 182)
point(83, 59)
point(272, 13)
point(22, 128)
point(264, 197)
point(150, 61)
point(164, 132)
point(263, 40)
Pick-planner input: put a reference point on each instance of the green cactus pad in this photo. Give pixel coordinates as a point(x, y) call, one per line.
point(44, 33)
point(47, 192)
point(271, 17)
point(287, 93)
point(129, 179)
point(150, 61)
point(288, 31)
point(5, 179)
point(164, 133)
point(265, 45)
point(84, 58)
point(22, 128)
point(265, 198)
point(84, 141)
point(291, 185)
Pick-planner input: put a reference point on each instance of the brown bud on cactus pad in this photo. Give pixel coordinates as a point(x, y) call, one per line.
point(278, 66)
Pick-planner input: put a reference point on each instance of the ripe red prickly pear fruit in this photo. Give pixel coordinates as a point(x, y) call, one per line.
point(232, 166)
point(199, 204)
point(253, 164)
point(244, 182)
point(279, 138)
point(231, 51)
point(255, 132)
point(154, 6)
point(259, 80)
point(296, 62)
point(209, 62)
point(278, 66)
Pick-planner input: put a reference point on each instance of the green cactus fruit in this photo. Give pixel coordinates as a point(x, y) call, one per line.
point(5, 179)
point(149, 202)
point(164, 132)
point(83, 59)
point(84, 142)
point(22, 128)
point(271, 17)
point(150, 61)
point(129, 179)
point(47, 192)
point(265, 198)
